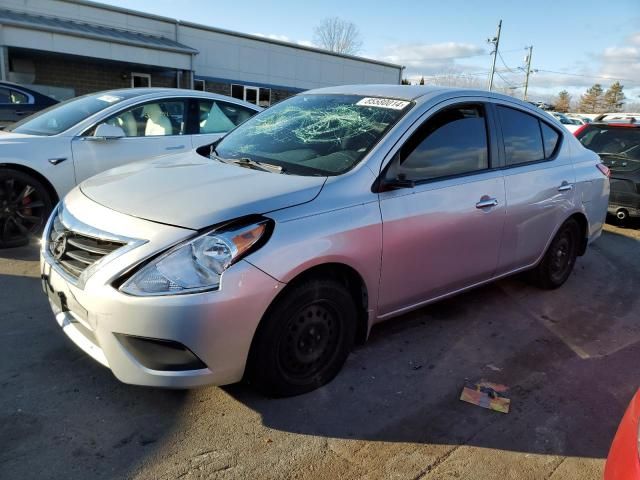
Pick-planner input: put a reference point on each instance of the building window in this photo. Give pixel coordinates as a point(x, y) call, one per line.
point(199, 85)
point(256, 95)
point(140, 80)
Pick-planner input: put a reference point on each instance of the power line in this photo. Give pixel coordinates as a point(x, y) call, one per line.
point(504, 63)
point(588, 76)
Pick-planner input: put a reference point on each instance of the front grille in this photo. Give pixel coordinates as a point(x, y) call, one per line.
point(74, 251)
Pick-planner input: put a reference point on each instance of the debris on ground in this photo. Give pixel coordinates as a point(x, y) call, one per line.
point(486, 395)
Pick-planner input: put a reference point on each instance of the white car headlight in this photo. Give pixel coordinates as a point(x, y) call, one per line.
point(196, 265)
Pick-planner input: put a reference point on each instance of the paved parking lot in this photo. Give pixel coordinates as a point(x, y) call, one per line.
point(569, 356)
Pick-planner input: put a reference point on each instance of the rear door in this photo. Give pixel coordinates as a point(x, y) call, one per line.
point(211, 119)
point(443, 233)
point(151, 129)
point(539, 183)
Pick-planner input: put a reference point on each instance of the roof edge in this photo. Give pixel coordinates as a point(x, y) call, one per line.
point(200, 26)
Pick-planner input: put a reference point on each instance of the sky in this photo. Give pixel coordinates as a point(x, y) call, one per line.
point(576, 43)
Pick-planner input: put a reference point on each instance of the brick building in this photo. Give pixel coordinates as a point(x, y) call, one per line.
point(72, 47)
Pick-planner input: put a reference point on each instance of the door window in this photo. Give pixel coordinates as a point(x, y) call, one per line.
point(152, 119)
point(220, 117)
point(522, 136)
point(452, 142)
point(550, 137)
point(12, 96)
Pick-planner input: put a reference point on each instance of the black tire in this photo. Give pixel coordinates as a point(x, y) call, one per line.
point(25, 206)
point(559, 259)
point(304, 339)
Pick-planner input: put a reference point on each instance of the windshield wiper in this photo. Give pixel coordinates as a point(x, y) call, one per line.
point(267, 167)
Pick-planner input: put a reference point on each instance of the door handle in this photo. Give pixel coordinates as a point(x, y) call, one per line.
point(177, 147)
point(56, 161)
point(20, 112)
point(486, 202)
point(565, 187)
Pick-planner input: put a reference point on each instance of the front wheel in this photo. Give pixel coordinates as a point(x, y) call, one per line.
point(24, 207)
point(557, 263)
point(304, 339)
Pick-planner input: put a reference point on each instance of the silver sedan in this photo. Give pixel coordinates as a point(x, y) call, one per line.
point(268, 254)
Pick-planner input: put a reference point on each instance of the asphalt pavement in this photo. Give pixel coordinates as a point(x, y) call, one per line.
point(569, 357)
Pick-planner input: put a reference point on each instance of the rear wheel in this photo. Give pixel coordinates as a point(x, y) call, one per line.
point(304, 340)
point(557, 263)
point(24, 207)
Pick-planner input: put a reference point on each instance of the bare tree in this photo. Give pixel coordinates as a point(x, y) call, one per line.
point(337, 35)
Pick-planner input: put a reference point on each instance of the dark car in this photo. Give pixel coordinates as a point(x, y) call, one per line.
point(618, 144)
point(18, 102)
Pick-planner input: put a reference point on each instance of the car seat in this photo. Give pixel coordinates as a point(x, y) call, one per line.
point(157, 121)
point(216, 121)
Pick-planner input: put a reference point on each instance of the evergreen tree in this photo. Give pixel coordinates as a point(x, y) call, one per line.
point(422, 81)
point(563, 103)
point(614, 98)
point(404, 81)
point(591, 101)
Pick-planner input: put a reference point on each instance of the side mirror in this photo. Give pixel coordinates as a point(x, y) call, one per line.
point(104, 131)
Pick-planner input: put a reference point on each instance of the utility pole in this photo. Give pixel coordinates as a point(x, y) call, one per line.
point(526, 82)
point(496, 42)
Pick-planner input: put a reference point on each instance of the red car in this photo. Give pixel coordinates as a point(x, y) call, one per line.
point(623, 462)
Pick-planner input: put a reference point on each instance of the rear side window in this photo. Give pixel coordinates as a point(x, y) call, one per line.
point(452, 142)
point(550, 139)
point(220, 117)
point(522, 136)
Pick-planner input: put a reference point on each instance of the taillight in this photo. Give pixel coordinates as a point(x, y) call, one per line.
point(580, 129)
point(604, 169)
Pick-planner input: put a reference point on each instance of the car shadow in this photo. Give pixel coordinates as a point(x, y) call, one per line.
point(62, 414)
point(630, 223)
point(404, 384)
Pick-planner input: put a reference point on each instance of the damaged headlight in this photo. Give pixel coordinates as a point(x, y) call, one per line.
point(197, 265)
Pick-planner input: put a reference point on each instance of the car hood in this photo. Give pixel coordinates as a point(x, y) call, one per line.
point(10, 137)
point(191, 191)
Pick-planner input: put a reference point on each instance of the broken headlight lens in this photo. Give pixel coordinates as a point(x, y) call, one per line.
point(197, 265)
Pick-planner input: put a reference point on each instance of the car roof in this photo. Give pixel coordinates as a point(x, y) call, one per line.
point(151, 92)
point(418, 93)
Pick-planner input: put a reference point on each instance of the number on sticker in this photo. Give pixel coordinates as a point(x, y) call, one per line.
point(383, 103)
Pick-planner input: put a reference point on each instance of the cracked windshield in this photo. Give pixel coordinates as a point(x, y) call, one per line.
point(314, 134)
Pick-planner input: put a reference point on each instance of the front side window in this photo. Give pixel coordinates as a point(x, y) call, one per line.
point(521, 135)
point(152, 119)
point(452, 142)
point(220, 117)
point(314, 134)
point(61, 117)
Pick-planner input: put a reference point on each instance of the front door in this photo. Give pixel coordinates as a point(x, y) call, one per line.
point(150, 130)
point(444, 233)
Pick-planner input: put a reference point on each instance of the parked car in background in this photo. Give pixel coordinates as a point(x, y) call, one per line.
point(578, 120)
point(618, 144)
point(267, 254)
point(18, 102)
point(45, 155)
point(567, 122)
point(623, 461)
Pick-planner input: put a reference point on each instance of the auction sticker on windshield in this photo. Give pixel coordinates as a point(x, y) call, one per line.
point(383, 103)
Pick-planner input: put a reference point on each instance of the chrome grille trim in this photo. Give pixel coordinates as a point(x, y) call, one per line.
point(76, 250)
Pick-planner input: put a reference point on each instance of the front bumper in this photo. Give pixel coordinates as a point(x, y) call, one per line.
point(217, 326)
